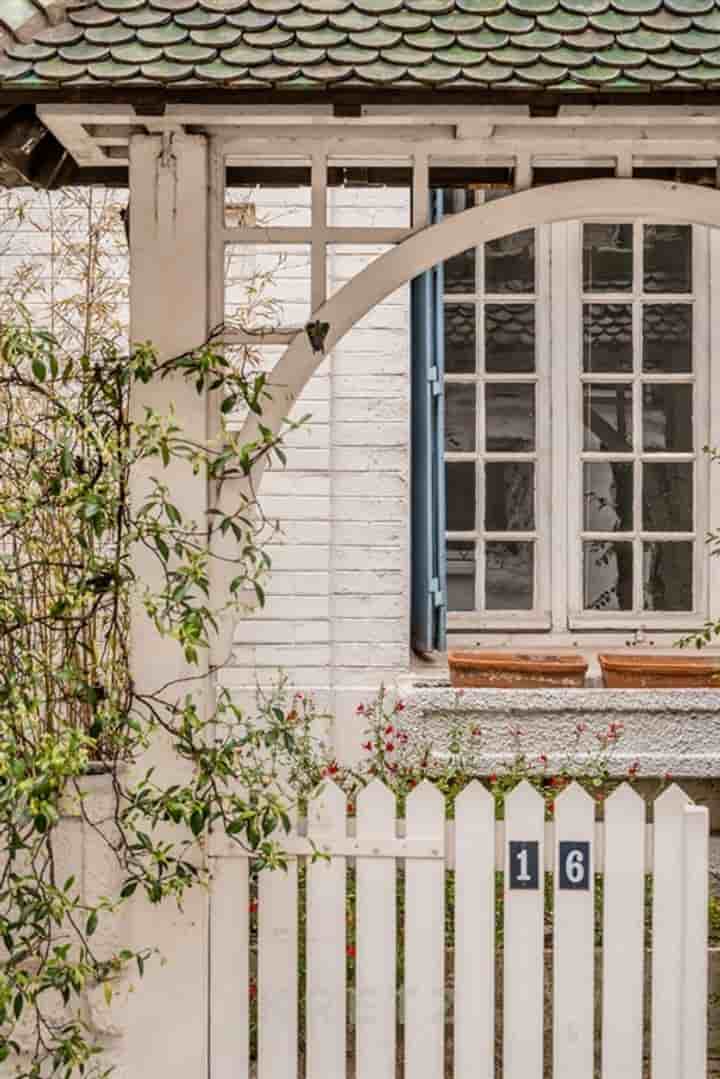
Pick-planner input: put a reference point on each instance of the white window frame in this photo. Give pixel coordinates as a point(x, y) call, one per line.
point(539, 616)
point(559, 491)
point(577, 618)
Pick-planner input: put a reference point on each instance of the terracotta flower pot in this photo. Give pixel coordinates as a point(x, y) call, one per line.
point(515, 670)
point(637, 670)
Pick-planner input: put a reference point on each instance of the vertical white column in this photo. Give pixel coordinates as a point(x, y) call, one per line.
point(166, 1019)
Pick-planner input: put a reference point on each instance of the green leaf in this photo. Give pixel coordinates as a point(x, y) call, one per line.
point(91, 924)
point(39, 369)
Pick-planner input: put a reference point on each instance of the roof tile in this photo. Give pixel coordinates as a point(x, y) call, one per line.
point(558, 44)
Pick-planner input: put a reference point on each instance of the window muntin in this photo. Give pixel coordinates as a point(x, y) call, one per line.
point(637, 418)
point(622, 504)
point(494, 364)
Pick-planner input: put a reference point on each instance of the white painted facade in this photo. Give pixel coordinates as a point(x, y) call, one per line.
point(336, 620)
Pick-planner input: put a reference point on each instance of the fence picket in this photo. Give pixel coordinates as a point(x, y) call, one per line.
point(474, 1006)
point(523, 942)
point(278, 972)
point(623, 935)
point(424, 1003)
point(229, 969)
point(573, 944)
point(667, 957)
point(375, 975)
point(326, 941)
point(696, 829)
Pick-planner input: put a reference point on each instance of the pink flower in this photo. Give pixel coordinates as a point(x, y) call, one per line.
point(668, 777)
point(367, 746)
point(389, 729)
point(399, 706)
point(581, 728)
point(360, 710)
point(476, 732)
point(389, 747)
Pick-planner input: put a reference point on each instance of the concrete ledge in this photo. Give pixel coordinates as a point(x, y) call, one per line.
point(675, 731)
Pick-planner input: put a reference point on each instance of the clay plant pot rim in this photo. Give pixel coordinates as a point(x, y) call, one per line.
point(542, 663)
point(658, 664)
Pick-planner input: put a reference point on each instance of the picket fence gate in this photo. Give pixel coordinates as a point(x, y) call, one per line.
point(623, 848)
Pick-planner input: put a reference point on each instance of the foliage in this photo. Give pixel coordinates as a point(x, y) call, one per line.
point(69, 537)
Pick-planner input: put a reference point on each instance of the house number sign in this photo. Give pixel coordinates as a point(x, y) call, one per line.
point(574, 865)
point(573, 868)
point(524, 864)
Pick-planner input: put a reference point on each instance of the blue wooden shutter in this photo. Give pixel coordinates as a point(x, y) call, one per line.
point(429, 575)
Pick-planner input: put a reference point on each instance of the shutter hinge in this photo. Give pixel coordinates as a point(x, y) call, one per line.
point(434, 380)
point(436, 593)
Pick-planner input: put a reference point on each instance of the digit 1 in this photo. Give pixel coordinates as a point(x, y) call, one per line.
point(522, 856)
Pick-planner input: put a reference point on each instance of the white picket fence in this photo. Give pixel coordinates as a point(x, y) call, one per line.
point(524, 847)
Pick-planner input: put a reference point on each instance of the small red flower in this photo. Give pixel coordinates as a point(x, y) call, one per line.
point(476, 732)
point(633, 769)
point(551, 807)
point(556, 782)
point(668, 777)
point(253, 990)
point(389, 729)
point(542, 759)
point(402, 737)
point(253, 906)
point(360, 710)
point(580, 728)
point(389, 747)
point(367, 746)
point(399, 706)
point(331, 769)
point(492, 778)
point(350, 810)
point(351, 951)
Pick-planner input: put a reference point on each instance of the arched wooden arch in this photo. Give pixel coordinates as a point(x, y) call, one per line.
point(657, 199)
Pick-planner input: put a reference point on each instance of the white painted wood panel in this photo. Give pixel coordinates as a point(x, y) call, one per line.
point(623, 935)
point(229, 969)
point(573, 945)
point(668, 911)
point(375, 978)
point(474, 1005)
point(326, 940)
point(277, 973)
point(695, 952)
point(523, 945)
point(424, 1000)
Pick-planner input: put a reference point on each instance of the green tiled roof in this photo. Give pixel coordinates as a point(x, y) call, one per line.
point(488, 44)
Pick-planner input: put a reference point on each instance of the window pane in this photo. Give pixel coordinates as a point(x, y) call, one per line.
point(607, 576)
point(608, 496)
point(457, 199)
point(607, 337)
point(607, 258)
point(607, 416)
point(509, 496)
point(459, 417)
point(460, 272)
point(459, 338)
point(667, 417)
point(667, 496)
point(461, 575)
point(509, 337)
point(667, 337)
point(460, 494)
point(509, 576)
point(667, 254)
point(510, 263)
point(509, 417)
point(668, 576)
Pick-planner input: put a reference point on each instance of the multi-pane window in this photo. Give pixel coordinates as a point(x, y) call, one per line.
point(574, 465)
point(640, 435)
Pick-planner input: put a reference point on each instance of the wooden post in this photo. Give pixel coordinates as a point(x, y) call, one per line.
point(165, 1026)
